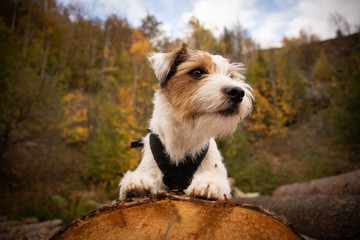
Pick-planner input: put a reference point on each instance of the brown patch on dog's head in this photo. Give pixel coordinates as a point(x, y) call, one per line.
point(165, 64)
point(185, 78)
point(178, 58)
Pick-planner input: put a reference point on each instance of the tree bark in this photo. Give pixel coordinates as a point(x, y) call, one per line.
point(135, 84)
point(44, 62)
point(347, 183)
point(272, 72)
point(16, 3)
point(167, 216)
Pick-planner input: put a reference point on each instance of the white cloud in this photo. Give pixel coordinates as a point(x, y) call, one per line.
point(268, 32)
point(131, 9)
point(219, 14)
point(310, 15)
point(167, 28)
point(315, 14)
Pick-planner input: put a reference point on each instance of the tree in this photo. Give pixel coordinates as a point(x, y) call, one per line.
point(27, 90)
point(323, 68)
point(138, 52)
point(228, 39)
point(201, 37)
point(235, 44)
point(338, 21)
point(150, 27)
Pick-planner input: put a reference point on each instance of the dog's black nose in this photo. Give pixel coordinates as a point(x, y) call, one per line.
point(236, 94)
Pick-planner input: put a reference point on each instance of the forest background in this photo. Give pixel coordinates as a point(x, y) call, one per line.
point(74, 92)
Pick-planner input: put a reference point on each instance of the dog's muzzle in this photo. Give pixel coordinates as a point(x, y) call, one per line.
point(235, 94)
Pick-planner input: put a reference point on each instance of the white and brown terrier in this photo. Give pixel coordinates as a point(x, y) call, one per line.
point(201, 96)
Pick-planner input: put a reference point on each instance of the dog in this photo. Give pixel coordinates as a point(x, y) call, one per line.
point(200, 97)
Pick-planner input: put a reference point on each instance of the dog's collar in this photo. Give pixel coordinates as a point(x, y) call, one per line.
point(176, 177)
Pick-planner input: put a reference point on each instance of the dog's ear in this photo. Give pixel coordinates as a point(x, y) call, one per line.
point(165, 64)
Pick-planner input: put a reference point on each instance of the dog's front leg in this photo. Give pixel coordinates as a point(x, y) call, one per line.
point(144, 180)
point(210, 180)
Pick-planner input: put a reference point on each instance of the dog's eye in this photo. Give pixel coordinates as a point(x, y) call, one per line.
point(197, 73)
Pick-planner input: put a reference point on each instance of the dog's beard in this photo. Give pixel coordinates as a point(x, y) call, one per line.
point(232, 109)
point(216, 124)
point(226, 112)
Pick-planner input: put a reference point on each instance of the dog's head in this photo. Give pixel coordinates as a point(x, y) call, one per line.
point(203, 89)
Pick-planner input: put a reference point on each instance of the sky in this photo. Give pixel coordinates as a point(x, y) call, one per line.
point(266, 21)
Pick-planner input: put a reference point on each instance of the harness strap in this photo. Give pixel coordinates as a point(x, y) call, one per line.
point(175, 176)
point(136, 144)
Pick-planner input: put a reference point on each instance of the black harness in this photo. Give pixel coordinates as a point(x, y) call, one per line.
point(176, 177)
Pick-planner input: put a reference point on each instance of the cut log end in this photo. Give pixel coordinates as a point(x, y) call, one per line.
point(168, 216)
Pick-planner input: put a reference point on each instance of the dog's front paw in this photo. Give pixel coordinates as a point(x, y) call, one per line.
point(209, 187)
point(135, 185)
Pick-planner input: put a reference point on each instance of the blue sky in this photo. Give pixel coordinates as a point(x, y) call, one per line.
point(267, 21)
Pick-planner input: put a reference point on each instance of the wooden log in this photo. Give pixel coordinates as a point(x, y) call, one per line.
point(168, 216)
point(40, 225)
point(28, 228)
point(347, 183)
point(317, 216)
